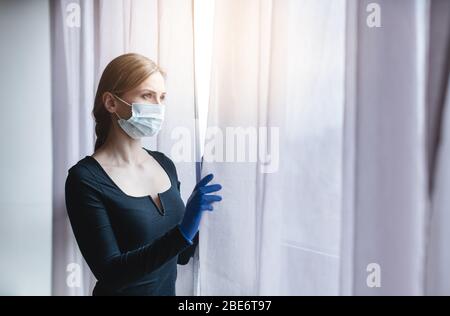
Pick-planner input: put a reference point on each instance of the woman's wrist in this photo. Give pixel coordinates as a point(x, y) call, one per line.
point(189, 240)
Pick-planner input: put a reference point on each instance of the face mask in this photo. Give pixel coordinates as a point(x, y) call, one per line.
point(146, 119)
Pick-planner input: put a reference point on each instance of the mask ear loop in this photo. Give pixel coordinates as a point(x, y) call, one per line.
point(117, 115)
point(123, 102)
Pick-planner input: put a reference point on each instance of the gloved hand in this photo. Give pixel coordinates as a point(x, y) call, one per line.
point(198, 202)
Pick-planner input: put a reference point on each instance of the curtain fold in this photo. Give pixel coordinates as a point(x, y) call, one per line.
point(438, 260)
point(438, 98)
point(388, 197)
point(392, 242)
point(277, 87)
point(72, 130)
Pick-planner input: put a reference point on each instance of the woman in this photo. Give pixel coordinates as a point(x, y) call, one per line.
point(124, 202)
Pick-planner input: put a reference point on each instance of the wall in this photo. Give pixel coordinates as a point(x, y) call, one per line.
point(25, 139)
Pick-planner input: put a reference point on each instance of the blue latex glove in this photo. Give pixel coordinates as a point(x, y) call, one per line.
point(198, 202)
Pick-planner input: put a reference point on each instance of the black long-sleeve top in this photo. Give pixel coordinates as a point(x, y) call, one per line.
point(131, 247)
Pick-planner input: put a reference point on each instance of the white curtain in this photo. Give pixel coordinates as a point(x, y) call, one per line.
point(278, 73)
point(106, 30)
point(73, 74)
point(392, 121)
point(438, 98)
point(438, 276)
point(356, 206)
point(385, 181)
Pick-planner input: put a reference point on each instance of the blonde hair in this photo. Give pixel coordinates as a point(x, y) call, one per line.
point(121, 75)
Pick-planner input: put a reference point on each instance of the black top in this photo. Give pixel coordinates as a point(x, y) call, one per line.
point(131, 247)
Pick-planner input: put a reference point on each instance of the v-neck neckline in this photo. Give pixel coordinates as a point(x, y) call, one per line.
point(148, 196)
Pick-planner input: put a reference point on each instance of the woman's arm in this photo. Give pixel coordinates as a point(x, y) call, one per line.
point(186, 254)
point(96, 239)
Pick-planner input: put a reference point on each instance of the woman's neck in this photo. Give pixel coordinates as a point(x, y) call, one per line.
point(120, 149)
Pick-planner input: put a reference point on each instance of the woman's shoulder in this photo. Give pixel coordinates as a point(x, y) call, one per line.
point(163, 159)
point(82, 169)
point(159, 155)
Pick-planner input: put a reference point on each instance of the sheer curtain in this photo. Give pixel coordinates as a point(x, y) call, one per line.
point(385, 178)
point(396, 78)
point(86, 35)
point(438, 98)
point(278, 78)
point(73, 61)
point(358, 203)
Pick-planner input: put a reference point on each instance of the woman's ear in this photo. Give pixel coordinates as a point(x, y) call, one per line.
point(109, 102)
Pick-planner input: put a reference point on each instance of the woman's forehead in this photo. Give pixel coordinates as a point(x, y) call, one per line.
point(154, 83)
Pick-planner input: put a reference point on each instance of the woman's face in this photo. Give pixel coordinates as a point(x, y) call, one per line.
point(151, 90)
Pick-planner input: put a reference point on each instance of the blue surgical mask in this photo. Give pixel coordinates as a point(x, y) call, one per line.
point(146, 119)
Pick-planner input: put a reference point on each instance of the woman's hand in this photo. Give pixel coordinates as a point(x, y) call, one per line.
point(198, 202)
